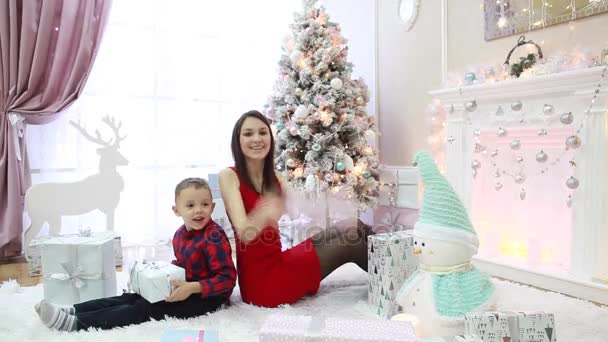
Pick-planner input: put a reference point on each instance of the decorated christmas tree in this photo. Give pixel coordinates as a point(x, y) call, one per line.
point(324, 137)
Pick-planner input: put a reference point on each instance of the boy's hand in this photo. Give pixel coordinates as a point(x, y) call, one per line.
point(181, 290)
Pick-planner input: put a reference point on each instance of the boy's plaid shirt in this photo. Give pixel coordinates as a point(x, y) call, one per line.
point(207, 258)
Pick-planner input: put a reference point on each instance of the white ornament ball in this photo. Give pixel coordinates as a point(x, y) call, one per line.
point(348, 162)
point(336, 83)
point(360, 100)
point(293, 131)
point(515, 144)
point(548, 109)
point(471, 106)
point(501, 132)
point(296, 55)
point(301, 112)
point(520, 178)
point(298, 91)
point(291, 163)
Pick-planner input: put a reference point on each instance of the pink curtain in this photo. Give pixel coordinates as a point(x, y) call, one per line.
point(47, 48)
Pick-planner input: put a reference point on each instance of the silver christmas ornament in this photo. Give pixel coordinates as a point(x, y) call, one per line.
point(279, 166)
point(471, 106)
point(573, 141)
point(515, 144)
point(475, 164)
point(316, 147)
point(494, 153)
point(360, 100)
point(501, 132)
point(541, 133)
point(477, 132)
point(293, 131)
point(520, 178)
point(291, 163)
point(566, 118)
point(520, 159)
point(522, 194)
point(572, 183)
point(498, 186)
point(451, 139)
point(497, 173)
point(500, 111)
point(516, 106)
point(548, 109)
point(569, 201)
point(541, 157)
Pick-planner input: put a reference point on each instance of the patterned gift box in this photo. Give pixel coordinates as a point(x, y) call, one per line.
point(459, 338)
point(182, 335)
point(152, 280)
point(391, 260)
point(512, 326)
point(305, 328)
point(400, 187)
point(78, 268)
point(34, 254)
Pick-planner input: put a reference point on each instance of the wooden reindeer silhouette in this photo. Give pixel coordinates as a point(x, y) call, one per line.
point(48, 202)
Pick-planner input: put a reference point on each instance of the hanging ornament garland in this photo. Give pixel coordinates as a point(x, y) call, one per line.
point(519, 176)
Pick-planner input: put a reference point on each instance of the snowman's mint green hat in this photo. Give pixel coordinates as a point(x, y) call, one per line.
point(442, 215)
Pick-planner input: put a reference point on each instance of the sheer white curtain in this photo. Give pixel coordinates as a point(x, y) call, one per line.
point(177, 74)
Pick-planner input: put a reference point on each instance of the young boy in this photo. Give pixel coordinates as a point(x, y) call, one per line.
point(201, 247)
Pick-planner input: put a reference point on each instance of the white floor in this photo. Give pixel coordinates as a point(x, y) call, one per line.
point(343, 294)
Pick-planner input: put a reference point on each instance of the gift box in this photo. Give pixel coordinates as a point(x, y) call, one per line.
point(182, 335)
point(511, 326)
point(306, 328)
point(151, 280)
point(387, 219)
point(34, 254)
point(459, 338)
point(400, 187)
point(78, 268)
point(391, 260)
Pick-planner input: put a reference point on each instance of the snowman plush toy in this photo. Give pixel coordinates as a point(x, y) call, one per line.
point(446, 284)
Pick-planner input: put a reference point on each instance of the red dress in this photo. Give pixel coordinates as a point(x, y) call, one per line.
point(267, 275)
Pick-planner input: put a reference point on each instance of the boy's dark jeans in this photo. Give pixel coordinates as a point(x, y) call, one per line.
point(131, 308)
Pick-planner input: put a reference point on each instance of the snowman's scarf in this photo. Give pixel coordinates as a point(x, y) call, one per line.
point(457, 293)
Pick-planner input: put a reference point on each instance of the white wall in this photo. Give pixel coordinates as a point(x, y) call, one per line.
point(409, 65)
point(356, 18)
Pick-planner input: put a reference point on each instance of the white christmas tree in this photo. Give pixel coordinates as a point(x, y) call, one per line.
point(325, 139)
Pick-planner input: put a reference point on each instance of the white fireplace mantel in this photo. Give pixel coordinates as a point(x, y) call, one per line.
point(567, 91)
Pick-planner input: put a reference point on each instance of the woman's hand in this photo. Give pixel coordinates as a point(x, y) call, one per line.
point(271, 208)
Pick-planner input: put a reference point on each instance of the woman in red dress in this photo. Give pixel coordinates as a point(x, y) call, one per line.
point(254, 201)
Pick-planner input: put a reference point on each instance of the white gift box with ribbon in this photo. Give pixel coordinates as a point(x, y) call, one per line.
point(77, 268)
point(291, 328)
point(34, 253)
point(151, 280)
point(400, 187)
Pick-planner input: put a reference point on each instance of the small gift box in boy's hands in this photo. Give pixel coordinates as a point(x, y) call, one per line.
point(152, 280)
point(459, 338)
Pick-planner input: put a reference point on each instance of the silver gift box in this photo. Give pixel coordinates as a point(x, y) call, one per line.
point(391, 260)
point(76, 269)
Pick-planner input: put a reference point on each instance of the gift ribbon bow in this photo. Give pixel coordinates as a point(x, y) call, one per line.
point(76, 275)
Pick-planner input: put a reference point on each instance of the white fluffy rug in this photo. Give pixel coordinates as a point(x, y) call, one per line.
point(343, 294)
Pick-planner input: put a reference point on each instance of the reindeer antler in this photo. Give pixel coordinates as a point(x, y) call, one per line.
point(97, 139)
point(115, 128)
